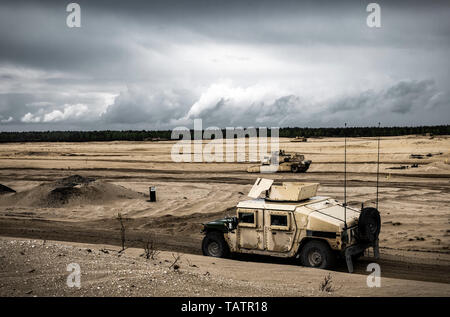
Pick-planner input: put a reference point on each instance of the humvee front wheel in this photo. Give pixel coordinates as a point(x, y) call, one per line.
point(214, 245)
point(317, 254)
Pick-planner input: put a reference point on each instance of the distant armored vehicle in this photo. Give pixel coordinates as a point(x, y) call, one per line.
point(291, 221)
point(299, 139)
point(287, 162)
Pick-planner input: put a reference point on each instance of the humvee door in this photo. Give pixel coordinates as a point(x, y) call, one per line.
point(279, 230)
point(250, 230)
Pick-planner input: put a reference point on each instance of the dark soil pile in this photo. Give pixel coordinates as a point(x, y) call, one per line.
point(74, 180)
point(72, 190)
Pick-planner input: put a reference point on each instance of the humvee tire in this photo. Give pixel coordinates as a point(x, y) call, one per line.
point(214, 245)
point(369, 224)
point(317, 254)
point(294, 168)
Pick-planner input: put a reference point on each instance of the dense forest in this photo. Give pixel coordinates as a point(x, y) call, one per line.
point(144, 135)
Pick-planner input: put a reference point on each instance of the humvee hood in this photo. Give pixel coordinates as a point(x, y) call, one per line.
point(332, 212)
point(218, 224)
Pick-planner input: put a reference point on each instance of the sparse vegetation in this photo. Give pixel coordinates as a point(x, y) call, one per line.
point(176, 258)
point(327, 284)
point(150, 251)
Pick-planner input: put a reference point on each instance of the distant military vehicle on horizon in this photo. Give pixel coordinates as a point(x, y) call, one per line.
point(299, 139)
point(287, 162)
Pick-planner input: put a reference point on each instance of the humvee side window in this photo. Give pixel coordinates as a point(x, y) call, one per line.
point(278, 220)
point(247, 217)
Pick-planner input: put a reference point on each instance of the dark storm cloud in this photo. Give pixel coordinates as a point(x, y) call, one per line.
point(414, 101)
point(401, 98)
point(288, 62)
point(41, 39)
point(136, 106)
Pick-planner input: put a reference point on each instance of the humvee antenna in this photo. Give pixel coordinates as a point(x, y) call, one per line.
point(345, 175)
point(378, 162)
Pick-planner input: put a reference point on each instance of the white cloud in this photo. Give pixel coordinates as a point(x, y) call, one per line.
point(235, 98)
point(69, 112)
point(30, 118)
point(7, 120)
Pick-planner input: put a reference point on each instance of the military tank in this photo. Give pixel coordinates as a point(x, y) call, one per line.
point(299, 139)
point(287, 162)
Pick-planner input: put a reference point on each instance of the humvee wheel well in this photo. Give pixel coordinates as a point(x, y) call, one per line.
point(214, 227)
point(306, 240)
point(215, 244)
point(211, 230)
point(206, 230)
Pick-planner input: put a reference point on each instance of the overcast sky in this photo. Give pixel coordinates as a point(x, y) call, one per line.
point(161, 64)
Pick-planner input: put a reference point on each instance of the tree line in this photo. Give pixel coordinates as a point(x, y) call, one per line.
point(147, 135)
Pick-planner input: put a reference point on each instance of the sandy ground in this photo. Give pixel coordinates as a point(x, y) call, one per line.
point(39, 268)
point(414, 202)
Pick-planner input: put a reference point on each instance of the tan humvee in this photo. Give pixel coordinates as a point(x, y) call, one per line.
point(291, 221)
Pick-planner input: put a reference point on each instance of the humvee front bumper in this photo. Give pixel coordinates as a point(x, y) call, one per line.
point(358, 248)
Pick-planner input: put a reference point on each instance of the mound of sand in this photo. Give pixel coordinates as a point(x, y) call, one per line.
point(5, 189)
point(72, 190)
point(74, 180)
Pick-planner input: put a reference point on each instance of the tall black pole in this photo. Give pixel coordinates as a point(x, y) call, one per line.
point(378, 162)
point(345, 175)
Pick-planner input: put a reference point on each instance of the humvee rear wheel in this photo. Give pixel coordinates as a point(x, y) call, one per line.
point(317, 254)
point(215, 245)
point(294, 168)
point(369, 224)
